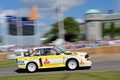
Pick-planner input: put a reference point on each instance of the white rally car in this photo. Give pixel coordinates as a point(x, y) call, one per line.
point(53, 57)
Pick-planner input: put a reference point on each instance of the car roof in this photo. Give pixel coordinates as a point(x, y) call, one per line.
point(43, 47)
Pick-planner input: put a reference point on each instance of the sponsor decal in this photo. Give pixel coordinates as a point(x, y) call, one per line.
point(46, 61)
point(21, 63)
point(75, 53)
point(81, 62)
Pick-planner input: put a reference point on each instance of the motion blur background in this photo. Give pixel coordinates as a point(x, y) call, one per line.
point(70, 23)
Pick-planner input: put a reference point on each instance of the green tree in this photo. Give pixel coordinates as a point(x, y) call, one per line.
point(71, 28)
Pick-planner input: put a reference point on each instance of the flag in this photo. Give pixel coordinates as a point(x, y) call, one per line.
point(33, 14)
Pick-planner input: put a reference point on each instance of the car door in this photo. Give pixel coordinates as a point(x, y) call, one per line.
point(36, 57)
point(51, 60)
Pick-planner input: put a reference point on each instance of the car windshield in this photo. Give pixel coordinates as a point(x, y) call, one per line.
point(58, 49)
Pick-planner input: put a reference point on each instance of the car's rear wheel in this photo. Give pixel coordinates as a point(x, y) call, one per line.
point(72, 64)
point(31, 67)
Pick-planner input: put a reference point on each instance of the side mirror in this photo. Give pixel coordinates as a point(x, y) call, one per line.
point(57, 53)
point(68, 53)
point(26, 54)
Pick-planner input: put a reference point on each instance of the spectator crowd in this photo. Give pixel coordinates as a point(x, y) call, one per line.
point(71, 45)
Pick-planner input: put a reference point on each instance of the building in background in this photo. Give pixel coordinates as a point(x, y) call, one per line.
point(98, 25)
point(95, 26)
point(19, 31)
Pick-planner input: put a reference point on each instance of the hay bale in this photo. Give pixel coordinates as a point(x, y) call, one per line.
point(88, 50)
point(99, 50)
point(108, 50)
point(3, 56)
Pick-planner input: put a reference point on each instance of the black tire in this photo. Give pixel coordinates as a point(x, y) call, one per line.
point(72, 64)
point(31, 67)
point(89, 67)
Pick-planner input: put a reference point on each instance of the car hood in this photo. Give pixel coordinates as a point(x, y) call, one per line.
point(75, 53)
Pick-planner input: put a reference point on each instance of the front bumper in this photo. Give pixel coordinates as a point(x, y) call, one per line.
point(85, 64)
point(21, 67)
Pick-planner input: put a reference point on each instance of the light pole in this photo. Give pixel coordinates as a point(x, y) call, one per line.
point(60, 20)
point(19, 29)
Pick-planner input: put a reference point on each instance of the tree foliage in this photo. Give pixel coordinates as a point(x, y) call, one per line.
point(112, 30)
point(71, 28)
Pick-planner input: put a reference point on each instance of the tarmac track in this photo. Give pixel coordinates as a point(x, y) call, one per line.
point(100, 63)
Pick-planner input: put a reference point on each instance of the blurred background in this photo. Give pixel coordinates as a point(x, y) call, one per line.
point(68, 23)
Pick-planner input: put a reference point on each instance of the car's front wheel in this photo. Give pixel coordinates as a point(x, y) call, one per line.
point(31, 67)
point(72, 64)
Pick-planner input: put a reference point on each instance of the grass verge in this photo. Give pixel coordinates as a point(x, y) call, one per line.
point(115, 75)
point(7, 63)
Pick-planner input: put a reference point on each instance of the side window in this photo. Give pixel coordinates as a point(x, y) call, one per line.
point(49, 51)
point(52, 51)
point(36, 53)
